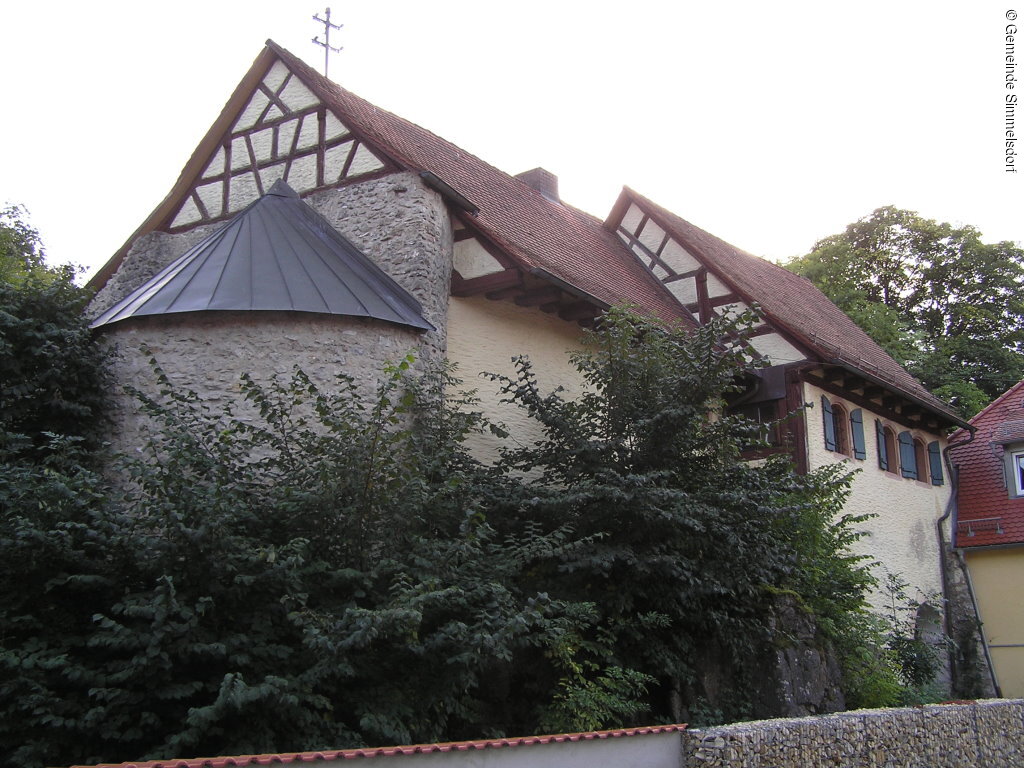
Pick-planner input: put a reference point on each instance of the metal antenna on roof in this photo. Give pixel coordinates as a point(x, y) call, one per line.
point(326, 44)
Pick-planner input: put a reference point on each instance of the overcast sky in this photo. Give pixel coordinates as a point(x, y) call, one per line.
point(769, 124)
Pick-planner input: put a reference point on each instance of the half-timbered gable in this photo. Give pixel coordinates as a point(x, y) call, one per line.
point(284, 132)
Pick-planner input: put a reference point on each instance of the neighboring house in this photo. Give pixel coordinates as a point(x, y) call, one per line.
point(440, 252)
point(990, 529)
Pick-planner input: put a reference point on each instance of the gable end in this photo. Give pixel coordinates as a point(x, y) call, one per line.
point(284, 132)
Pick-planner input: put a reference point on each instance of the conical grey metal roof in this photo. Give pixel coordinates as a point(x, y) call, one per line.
point(277, 254)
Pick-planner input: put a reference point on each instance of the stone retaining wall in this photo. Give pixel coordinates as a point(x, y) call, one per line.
point(984, 734)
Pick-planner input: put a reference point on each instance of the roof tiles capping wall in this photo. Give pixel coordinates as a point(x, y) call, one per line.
point(415, 749)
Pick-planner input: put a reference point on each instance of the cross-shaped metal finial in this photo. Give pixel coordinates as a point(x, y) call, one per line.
point(326, 44)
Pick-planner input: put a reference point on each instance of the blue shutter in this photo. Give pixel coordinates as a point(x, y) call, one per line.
point(830, 424)
point(908, 462)
point(883, 454)
point(935, 462)
point(857, 427)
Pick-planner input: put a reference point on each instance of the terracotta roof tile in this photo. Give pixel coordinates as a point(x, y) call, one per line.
point(986, 515)
point(794, 304)
point(570, 244)
point(413, 749)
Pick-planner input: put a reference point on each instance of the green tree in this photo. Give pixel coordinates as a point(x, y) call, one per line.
point(933, 295)
point(21, 249)
point(51, 408)
point(686, 542)
point(51, 369)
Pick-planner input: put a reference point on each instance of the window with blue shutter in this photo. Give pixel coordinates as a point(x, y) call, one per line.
point(935, 462)
point(857, 428)
point(883, 449)
point(908, 462)
point(829, 421)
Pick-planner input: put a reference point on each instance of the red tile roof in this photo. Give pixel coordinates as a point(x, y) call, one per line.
point(415, 749)
point(791, 303)
point(986, 516)
point(570, 245)
point(537, 233)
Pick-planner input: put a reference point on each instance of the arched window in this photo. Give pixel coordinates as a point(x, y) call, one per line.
point(840, 419)
point(890, 447)
point(920, 460)
point(844, 430)
point(913, 457)
point(885, 440)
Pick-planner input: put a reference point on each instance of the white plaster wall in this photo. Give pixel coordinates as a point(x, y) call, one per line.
point(632, 218)
point(473, 260)
point(716, 287)
point(678, 258)
point(484, 336)
point(902, 536)
point(685, 290)
point(652, 235)
point(776, 349)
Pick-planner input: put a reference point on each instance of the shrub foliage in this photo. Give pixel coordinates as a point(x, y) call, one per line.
point(328, 570)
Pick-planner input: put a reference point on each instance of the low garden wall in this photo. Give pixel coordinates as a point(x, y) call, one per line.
point(983, 734)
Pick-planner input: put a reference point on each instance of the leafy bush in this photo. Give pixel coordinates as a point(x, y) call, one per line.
point(321, 570)
point(323, 575)
point(688, 541)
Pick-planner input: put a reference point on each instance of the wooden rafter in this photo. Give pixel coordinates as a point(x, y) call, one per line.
point(538, 296)
point(579, 310)
point(499, 281)
point(892, 406)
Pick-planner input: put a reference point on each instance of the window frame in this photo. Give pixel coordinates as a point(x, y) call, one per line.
point(921, 463)
point(892, 448)
point(840, 420)
point(838, 426)
point(1014, 469)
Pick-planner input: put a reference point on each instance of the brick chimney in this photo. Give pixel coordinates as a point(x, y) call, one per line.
point(543, 181)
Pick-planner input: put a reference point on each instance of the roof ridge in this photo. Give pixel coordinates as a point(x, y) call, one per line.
point(795, 305)
point(660, 207)
point(346, 93)
point(998, 401)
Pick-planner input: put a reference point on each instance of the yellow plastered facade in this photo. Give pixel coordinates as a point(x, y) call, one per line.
point(902, 535)
point(484, 336)
point(998, 576)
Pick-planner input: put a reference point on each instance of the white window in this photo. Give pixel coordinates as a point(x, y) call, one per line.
point(1016, 485)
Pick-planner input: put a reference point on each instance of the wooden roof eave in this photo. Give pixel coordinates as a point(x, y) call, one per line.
point(943, 416)
point(195, 165)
